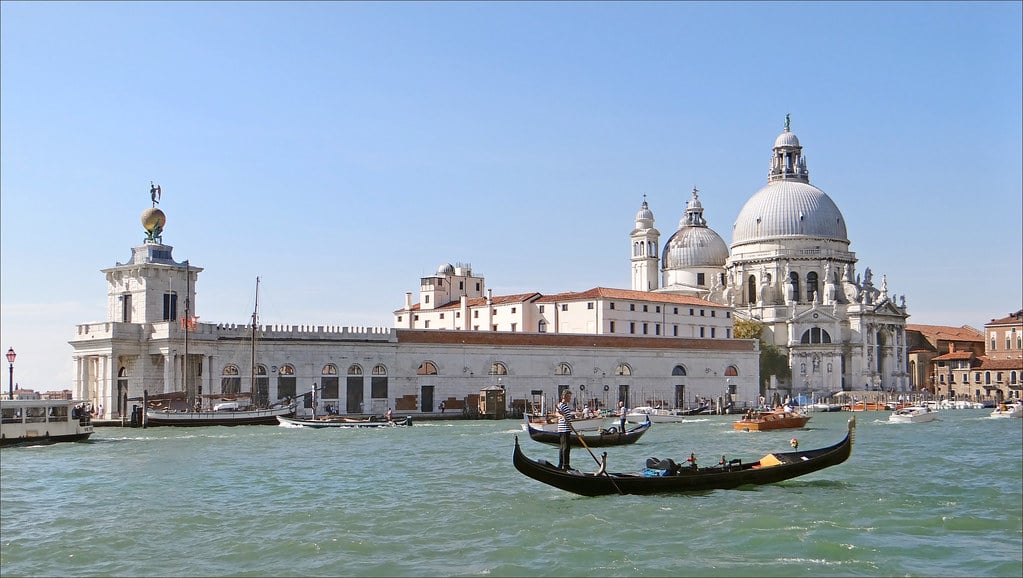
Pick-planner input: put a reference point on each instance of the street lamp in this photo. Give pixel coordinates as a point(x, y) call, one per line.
point(10, 386)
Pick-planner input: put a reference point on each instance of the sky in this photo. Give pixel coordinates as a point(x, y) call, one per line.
point(342, 151)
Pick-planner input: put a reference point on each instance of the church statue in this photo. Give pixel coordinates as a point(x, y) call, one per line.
point(154, 193)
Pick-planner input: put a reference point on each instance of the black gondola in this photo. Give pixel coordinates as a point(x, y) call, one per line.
point(767, 470)
point(600, 439)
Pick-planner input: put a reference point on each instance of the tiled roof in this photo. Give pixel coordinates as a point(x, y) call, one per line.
point(428, 336)
point(954, 356)
point(947, 333)
point(649, 296)
point(1013, 319)
point(481, 301)
point(987, 363)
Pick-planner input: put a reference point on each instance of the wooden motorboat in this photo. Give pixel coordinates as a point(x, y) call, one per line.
point(43, 421)
point(768, 420)
point(772, 468)
point(341, 422)
point(913, 414)
point(611, 436)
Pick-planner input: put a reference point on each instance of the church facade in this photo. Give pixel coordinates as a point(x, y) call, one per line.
point(789, 268)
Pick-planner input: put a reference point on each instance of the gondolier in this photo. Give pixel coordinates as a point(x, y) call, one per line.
point(564, 411)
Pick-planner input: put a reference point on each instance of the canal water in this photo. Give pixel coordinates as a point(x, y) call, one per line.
point(442, 498)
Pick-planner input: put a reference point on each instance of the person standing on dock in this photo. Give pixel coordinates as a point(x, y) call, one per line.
point(564, 410)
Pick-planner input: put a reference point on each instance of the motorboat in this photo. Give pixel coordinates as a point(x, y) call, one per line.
point(655, 415)
point(1008, 410)
point(43, 421)
point(913, 414)
point(770, 420)
point(343, 422)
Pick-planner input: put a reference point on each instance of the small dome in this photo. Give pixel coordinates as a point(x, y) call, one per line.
point(786, 139)
point(694, 247)
point(446, 269)
point(789, 209)
point(644, 213)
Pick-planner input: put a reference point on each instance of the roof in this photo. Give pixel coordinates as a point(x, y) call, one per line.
point(606, 293)
point(988, 363)
point(947, 333)
point(1013, 319)
point(955, 355)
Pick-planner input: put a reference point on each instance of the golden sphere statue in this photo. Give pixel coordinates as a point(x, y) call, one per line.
point(153, 219)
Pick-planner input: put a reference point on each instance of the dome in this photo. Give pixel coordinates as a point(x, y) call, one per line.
point(446, 269)
point(786, 139)
point(789, 208)
point(644, 214)
point(694, 247)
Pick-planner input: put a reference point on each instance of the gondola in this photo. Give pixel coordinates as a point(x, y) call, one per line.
point(664, 476)
point(336, 422)
point(600, 439)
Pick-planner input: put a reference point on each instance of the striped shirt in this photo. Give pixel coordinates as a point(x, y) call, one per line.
point(564, 416)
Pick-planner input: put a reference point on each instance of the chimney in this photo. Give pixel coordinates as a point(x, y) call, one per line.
point(951, 347)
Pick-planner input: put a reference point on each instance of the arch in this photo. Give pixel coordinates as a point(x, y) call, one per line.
point(498, 368)
point(541, 326)
point(563, 369)
point(751, 289)
point(794, 282)
point(355, 369)
point(427, 368)
point(731, 371)
point(230, 370)
point(230, 380)
point(329, 369)
point(623, 369)
point(380, 369)
point(287, 386)
point(286, 369)
point(815, 335)
point(811, 285)
point(679, 370)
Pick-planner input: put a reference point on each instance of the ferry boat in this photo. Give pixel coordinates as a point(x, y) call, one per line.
point(43, 421)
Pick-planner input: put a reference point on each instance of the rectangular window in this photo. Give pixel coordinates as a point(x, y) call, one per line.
point(657, 329)
point(632, 327)
point(674, 330)
point(691, 312)
point(675, 311)
point(442, 316)
point(461, 285)
point(399, 319)
point(713, 313)
point(632, 306)
point(494, 328)
point(513, 310)
point(126, 308)
point(458, 314)
point(427, 324)
point(378, 387)
point(644, 309)
point(728, 332)
point(514, 326)
point(541, 309)
point(1008, 342)
point(728, 314)
point(645, 328)
point(426, 299)
point(713, 332)
point(992, 342)
point(702, 332)
point(657, 309)
point(612, 327)
point(170, 306)
point(701, 313)
point(700, 279)
point(612, 305)
point(589, 305)
point(564, 306)
point(476, 314)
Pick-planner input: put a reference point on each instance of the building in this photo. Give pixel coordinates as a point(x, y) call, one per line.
point(789, 268)
point(609, 345)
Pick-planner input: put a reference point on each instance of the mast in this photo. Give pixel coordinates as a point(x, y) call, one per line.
point(252, 367)
point(189, 392)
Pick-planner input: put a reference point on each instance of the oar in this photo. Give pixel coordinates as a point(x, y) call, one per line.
point(582, 441)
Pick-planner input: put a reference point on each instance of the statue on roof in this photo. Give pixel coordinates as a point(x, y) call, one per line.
point(154, 193)
point(788, 123)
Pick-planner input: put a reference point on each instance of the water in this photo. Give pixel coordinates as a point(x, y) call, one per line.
point(442, 498)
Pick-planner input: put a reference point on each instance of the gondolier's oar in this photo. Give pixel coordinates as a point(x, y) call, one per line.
point(602, 468)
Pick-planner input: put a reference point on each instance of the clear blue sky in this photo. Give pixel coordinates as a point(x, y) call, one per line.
point(343, 150)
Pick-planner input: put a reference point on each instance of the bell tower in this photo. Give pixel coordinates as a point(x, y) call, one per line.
point(645, 258)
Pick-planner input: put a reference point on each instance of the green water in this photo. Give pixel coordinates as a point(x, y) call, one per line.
point(442, 498)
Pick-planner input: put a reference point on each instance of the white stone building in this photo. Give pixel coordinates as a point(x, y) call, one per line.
point(791, 269)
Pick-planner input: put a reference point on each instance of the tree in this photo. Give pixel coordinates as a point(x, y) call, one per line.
point(773, 361)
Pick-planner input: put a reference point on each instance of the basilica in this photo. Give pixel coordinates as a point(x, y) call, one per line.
point(790, 270)
point(669, 340)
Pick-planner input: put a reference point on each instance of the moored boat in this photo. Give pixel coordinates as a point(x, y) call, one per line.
point(43, 421)
point(162, 417)
point(772, 468)
point(658, 415)
point(770, 420)
point(913, 414)
point(611, 436)
point(342, 422)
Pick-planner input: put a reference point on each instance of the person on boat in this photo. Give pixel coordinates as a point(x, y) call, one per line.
point(564, 411)
point(389, 415)
point(621, 412)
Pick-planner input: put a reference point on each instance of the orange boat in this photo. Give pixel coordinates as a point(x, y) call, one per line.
point(765, 420)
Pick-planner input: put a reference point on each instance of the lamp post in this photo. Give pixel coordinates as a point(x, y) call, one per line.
point(10, 385)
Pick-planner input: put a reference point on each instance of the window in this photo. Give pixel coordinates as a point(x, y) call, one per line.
point(623, 369)
point(731, 371)
point(675, 311)
point(589, 305)
point(563, 369)
point(700, 280)
point(728, 332)
point(612, 306)
point(126, 308)
point(657, 328)
point(691, 312)
point(678, 371)
point(442, 316)
point(541, 327)
point(713, 313)
point(811, 285)
point(645, 328)
point(399, 319)
point(426, 299)
point(713, 332)
point(612, 327)
point(427, 368)
point(645, 309)
point(514, 326)
point(498, 368)
point(564, 306)
point(513, 310)
point(993, 335)
point(702, 312)
point(476, 314)
point(461, 285)
point(541, 309)
point(632, 327)
point(1008, 341)
point(703, 331)
point(815, 335)
point(170, 306)
point(426, 325)
point(632, 306)
point(416, 318)
point(674, 330)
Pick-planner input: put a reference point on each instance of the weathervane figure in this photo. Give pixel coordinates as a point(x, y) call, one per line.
point(787, 124)
point(154, 193)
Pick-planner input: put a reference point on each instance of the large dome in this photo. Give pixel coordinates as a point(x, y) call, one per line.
point(694, 247)
point(789, 209)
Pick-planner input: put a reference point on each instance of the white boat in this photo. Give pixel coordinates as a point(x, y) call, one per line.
point(913, 414)
point(1008, 410)
point(655, 415)
point(43, 421)
point(343, 422)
